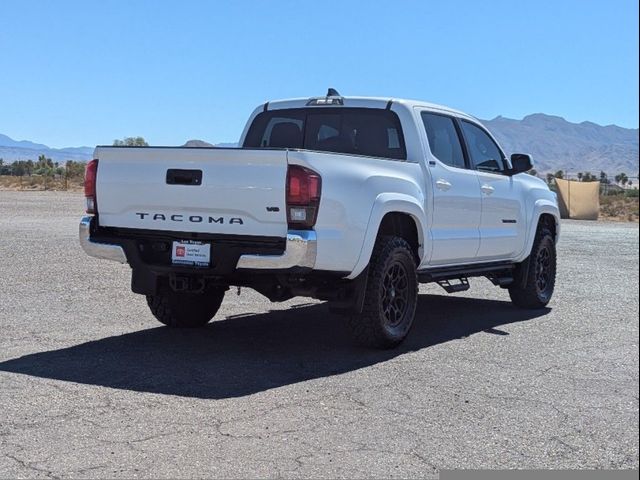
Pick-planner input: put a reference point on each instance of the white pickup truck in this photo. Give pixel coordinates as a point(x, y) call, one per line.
point(346, 199)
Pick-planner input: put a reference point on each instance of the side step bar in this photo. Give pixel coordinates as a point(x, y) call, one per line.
point(499, 273)
point(455, 287)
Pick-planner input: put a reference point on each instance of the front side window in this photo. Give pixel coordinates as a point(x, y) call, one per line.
point(483, 151)
point(444, 142)
point(358, 131)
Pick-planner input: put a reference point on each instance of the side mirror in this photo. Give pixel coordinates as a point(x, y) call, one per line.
point(520, 162)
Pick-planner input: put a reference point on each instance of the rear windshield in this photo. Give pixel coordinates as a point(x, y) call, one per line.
point(358, 131)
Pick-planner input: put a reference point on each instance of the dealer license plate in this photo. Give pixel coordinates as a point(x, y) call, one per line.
point(192, 253)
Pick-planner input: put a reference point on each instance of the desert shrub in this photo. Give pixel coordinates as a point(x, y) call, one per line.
point(632, 193)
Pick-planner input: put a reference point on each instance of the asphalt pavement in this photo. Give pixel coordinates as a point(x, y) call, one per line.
point(91, 385)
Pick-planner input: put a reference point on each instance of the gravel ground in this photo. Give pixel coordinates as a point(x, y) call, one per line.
point(91, 386)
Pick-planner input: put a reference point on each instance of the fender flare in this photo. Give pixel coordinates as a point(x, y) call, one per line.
point(389, 203)
point(540, 207)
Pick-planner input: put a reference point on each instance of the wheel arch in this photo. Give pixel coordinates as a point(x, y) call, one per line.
point(544, 212)
point(549, 221)
point(394, 214)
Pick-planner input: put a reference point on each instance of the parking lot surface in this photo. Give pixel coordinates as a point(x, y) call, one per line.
point(92, 386)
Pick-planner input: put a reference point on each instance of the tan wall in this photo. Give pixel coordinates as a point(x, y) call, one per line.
point(578, 200)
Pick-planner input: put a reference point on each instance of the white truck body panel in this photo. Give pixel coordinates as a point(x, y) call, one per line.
point(236, 184)
point(456, 215)
point(502, 222)
point(351, 185)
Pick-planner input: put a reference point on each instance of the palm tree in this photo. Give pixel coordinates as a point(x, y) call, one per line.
point(603, 178)
point(622, 179)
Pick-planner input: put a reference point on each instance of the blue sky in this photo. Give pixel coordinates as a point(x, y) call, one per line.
point(84, 72)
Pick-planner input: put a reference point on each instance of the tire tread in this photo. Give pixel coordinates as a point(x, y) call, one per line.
point(527, 297)
point(178, 310)
point(365, 327)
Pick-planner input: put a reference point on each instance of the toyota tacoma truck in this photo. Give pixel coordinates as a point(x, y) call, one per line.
point(350, 200)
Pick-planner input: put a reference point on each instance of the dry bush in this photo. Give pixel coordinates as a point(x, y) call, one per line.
point(619, 207)
point(38, 182)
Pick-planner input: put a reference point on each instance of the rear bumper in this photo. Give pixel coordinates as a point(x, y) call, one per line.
point(300, 250)
point(107, 251)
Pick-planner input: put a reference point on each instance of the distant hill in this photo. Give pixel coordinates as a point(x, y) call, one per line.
point(198, 144)
point(10, 142)
point(557, 144)
point(11, 150)
point(554, 143)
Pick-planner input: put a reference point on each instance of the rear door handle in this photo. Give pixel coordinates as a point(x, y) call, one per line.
point(487, 189)
point(443, 185)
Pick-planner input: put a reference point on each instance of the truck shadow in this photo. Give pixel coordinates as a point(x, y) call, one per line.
point(248, 354)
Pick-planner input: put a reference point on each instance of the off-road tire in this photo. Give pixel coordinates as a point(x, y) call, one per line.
point(186, 310)
point(539, 285)
point(385, 319)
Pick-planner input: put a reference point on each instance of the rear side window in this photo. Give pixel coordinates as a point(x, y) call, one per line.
point(283, 131)
point(485, 154)
point(356, 131)
point(444, 141)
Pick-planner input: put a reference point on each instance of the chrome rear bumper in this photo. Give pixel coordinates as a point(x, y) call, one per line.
point(95, 249)
point(300, 251)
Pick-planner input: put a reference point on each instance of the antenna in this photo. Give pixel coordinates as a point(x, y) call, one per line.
point(332, 92)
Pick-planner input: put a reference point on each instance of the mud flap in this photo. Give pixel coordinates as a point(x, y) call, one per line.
point(143, 281)
point(522, 273)
point(354, 302)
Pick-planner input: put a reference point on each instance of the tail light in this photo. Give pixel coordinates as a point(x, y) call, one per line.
point(90, 175)
point(303, 197)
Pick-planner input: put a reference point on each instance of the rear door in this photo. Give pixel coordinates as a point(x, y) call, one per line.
point(502, 228)
point(205, 190)
point(456, 196)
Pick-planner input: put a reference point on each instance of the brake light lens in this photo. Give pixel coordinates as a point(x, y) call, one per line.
point(90, 175)
point(303, 197)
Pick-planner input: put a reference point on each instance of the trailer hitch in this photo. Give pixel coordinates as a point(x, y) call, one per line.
point(181, 283)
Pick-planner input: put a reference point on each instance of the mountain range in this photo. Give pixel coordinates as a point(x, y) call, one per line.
point(11, 150)
point(554, 143)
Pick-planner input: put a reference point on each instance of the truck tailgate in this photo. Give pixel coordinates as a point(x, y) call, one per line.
point(238, 192)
